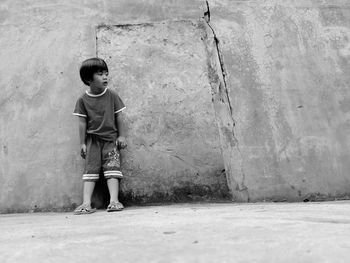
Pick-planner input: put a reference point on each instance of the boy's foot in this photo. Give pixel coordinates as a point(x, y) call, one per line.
point(84, 209)
point(115, 206)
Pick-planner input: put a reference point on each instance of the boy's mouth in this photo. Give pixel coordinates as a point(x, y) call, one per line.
point(105, 83)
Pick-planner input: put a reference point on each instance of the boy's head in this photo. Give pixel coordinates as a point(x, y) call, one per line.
point(91, 66)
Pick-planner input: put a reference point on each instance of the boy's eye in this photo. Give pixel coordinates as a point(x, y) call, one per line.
point(102, 73)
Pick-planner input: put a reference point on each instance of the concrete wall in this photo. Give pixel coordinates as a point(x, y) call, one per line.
point(287, 73)
point(42, 45)
point(280, 74)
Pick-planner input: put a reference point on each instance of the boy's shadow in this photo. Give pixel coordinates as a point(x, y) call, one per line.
point(100, 196)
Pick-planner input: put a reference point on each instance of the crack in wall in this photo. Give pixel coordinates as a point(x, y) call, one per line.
point(220, 94)
point(220, 57)
point(96, 41)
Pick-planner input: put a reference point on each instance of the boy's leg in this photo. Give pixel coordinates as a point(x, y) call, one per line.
point(92, 167)
point(88, 190)
point(85, 207)
point(91, 174)
point(113, 187)
point(112, 173)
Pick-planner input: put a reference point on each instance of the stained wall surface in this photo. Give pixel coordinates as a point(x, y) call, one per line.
point(288, 82)
point(286, 68)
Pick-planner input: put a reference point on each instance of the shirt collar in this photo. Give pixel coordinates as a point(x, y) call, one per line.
point(96, 95)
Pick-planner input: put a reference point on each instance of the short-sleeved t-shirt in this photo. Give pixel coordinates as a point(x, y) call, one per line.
point(99, 111)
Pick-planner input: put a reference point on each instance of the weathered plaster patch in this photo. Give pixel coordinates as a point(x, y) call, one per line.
point(161, 69)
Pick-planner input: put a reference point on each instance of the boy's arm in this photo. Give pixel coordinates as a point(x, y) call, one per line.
point(82, 136)
point(119, 120)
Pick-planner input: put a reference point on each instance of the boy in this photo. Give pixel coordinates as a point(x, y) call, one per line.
point(101, 133)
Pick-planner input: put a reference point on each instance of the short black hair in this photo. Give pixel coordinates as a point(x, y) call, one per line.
point(91, 66)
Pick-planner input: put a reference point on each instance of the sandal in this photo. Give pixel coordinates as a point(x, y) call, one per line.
point(84, 209)
point(115, 206)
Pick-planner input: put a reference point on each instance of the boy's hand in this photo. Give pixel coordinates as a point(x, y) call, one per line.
point(121, 142)
point(83, 151)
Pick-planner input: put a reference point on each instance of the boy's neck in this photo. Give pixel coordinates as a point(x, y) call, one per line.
point(96, 91)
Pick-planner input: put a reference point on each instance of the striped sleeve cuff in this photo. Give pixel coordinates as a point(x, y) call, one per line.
point(80, 115)
point(120, 110)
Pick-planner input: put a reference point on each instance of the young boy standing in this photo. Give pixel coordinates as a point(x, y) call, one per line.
point(101, 133)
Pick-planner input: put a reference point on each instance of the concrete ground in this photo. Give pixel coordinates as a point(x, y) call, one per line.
point(260, 232)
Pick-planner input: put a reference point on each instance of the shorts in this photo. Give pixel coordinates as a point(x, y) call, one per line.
point(101, 154)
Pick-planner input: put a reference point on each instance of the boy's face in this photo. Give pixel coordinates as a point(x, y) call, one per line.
point(99, 80)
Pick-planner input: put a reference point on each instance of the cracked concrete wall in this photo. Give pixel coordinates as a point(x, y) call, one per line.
point(284, 70)
point(42, 45)
point(286, 67)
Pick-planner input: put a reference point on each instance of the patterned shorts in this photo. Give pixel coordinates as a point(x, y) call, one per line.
point(101, 154)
